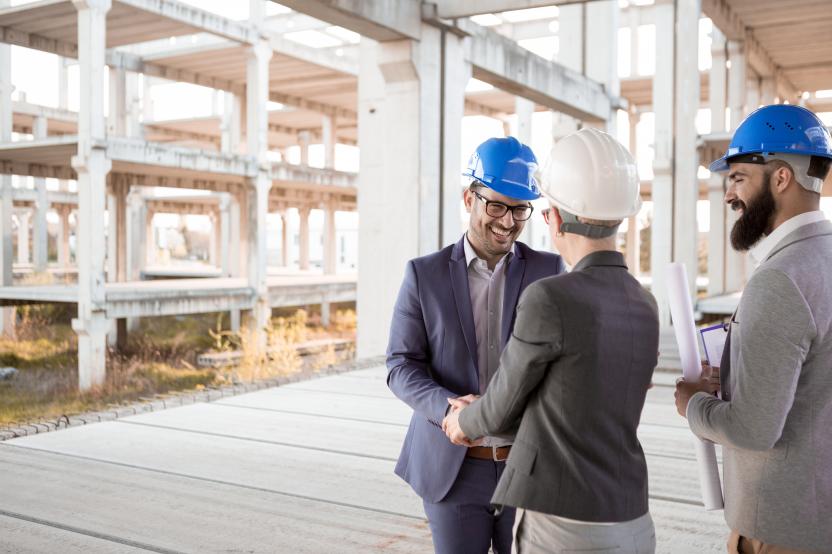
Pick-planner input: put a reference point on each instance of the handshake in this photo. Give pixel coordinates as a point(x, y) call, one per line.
point(451, 422)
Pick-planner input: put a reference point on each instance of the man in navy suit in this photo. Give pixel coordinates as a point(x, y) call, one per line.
point(453, 316)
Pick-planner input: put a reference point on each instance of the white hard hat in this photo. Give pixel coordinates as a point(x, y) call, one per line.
point(590, 174)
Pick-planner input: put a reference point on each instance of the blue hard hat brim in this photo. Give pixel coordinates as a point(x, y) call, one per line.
point(719, 166)
point(512, 190)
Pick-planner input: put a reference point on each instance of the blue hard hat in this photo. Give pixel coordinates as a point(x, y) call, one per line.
point(778, 129)
point(506, 166)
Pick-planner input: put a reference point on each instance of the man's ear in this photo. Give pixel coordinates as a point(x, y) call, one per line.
point(468, 199)
point(782, 176)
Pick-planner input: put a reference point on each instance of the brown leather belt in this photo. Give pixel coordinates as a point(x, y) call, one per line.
point(495, 453)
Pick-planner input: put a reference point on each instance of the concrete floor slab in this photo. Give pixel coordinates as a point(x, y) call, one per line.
point(307, 466)
point(354, 480)
point(175, 513)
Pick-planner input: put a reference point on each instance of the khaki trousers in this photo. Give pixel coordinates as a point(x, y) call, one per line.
point(538, 533)
point(737, 544)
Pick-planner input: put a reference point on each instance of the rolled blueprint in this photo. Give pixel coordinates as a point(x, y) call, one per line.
point(681, 310)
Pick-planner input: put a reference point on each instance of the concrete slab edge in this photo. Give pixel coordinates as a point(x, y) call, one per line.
point(184, 398)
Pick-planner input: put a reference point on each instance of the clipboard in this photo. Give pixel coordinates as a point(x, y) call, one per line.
point(713, 342)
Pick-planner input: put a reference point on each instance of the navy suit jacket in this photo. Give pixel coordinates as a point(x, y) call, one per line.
point(432, 353)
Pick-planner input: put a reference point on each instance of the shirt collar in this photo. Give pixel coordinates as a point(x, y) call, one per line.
point(471, 255)
point(763, 248)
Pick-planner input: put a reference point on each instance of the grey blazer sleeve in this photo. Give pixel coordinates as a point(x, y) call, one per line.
point(408, 355)
point(535, 342)
point(775, 329)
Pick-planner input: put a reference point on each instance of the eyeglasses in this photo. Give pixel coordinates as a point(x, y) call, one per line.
point(498, 209)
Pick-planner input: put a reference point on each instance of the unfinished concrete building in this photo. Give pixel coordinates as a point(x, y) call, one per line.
point(401, 95)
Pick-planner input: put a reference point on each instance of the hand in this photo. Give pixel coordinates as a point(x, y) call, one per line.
point(452, 429)
point(685, 389)
point(462, 401)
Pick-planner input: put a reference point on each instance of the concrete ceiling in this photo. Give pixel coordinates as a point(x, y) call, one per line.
point(794, 35)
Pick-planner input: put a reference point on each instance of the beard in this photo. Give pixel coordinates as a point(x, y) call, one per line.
point(756, 218)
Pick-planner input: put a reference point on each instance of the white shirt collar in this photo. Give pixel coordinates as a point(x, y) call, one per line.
point(763, 248)
point(471, 255)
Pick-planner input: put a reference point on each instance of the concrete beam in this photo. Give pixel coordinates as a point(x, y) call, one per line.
point(380, 20)
point(210, 163)
point(37, 42)
point(117, 59)
point(452, 9)
point(200, 20)
point(290, 173)
point(34, 110)
point(500, 61)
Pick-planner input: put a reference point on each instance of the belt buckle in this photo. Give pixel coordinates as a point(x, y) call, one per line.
point(494, 454)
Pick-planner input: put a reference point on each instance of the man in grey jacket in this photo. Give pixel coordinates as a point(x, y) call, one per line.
point(774, 419)
point(575, 373)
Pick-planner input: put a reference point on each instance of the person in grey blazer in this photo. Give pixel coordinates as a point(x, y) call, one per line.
point(774, 419)
point(574, 375)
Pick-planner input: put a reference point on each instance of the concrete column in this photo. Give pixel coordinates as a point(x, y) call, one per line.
point(524, 109)
point(633, 246)
point(303, 141)
point(92, 167)
point(24, 218)
point(634, 21)
point(257, 193)
point(456, 72)
point(326, 312)
point(735, 263)
point(284, 239)
point(234, 232)
point(132, 118)
point(718, 100)
point(399, 89)
point(303, 233)
point(231, 124)
point(6, 202)
point(686, 153)
point(328, 133)
point(601, 55)
point(147, 100)
point(225, 226)
point(137, 234)
point(242, 222)
point(63, 83)
point(150, 239)
point(661, 231)
point(117, 250)
point(768, 90)
point(40, 236)
point(63, 237)
point(214, 239)
point(737, 82)
point(634, 117)
point(117, 116)
point(752, 92)
point(330, 240)
point(572, 22)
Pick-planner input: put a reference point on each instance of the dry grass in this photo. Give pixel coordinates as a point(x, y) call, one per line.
point(160, 358)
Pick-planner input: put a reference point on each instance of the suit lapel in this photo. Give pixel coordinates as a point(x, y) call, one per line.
point(511, 292)
point(462, 299)
point(801, 233)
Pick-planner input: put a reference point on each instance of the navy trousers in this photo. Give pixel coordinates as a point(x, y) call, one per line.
point(464, 522)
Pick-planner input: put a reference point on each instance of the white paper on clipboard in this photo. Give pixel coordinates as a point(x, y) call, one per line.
point(713, 341)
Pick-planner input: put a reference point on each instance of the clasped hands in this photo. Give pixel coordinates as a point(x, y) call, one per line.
point(708, 382)
point(451, 422)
